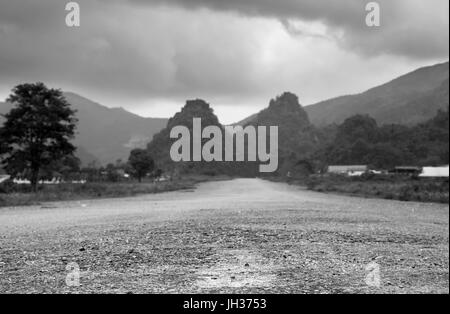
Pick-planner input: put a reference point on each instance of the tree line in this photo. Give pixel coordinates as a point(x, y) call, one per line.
point(360, 140)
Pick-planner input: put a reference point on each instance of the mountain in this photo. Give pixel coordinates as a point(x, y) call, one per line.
point(410, 99)
point(161, 144)
point(110, 134)
point(105, 134)
point(297, 137)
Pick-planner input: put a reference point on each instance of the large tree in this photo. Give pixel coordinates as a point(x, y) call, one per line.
point(141, 163)
point(37, 131)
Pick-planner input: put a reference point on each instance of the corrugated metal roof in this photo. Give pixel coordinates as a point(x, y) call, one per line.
point(435, 172)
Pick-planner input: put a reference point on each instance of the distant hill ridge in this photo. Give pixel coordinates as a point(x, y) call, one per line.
point(104, 134)
point(410, 99)
point(107, 134)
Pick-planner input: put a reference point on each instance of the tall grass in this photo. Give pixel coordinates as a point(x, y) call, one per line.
point(21, 195)
point(387, 187)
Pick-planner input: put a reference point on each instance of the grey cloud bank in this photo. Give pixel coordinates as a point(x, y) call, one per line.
point(413, 28)
point(133, 53)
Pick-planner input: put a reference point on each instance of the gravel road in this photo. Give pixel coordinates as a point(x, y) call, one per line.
point(238, 236)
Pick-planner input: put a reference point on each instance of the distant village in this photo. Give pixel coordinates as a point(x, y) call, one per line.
point(341, 170)
point(422, 172)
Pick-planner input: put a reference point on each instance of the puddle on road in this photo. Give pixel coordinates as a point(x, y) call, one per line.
point(238, 269)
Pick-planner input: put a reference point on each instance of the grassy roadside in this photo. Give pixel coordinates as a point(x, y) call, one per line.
point(21, 196)
point(386, 187)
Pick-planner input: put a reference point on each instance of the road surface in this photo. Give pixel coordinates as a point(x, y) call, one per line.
point(238, 236)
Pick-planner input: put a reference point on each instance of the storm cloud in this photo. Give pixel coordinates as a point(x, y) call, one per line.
point(412, 28)
point(149, 56)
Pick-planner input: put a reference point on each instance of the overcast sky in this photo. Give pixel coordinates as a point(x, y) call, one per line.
point(149, 56)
